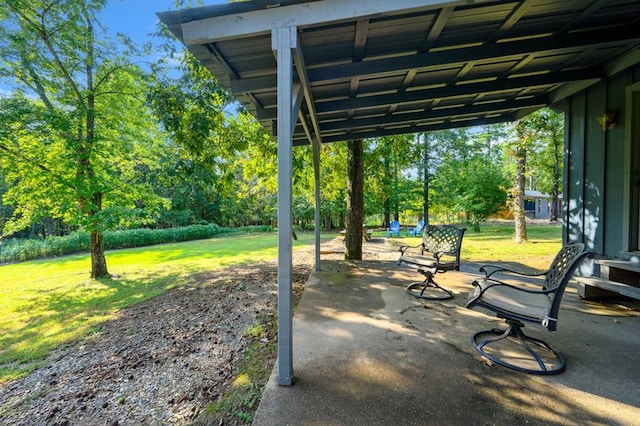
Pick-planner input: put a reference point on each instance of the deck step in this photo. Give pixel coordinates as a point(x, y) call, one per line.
point(626, 265)
point(604, 284)
point(622, 271)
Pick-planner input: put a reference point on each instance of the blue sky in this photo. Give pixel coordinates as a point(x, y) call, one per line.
point(137, 18)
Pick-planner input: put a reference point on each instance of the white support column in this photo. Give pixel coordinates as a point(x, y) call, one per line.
point(283, 40)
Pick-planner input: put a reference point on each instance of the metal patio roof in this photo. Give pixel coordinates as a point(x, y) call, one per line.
point(415, 66)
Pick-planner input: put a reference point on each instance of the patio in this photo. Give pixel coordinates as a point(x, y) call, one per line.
point(321, 71)
point(367, 353)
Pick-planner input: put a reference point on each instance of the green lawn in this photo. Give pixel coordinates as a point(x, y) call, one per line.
point(494, 243)
point(51, 302)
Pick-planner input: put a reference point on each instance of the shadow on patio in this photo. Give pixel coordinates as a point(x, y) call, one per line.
point(365, 352)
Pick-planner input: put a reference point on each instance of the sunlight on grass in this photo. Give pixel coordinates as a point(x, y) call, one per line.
point(51, 302)
point(495, 244)
point(48, 303)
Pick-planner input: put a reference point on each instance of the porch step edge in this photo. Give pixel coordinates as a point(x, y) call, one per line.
point(612, 286)
point(626, 265)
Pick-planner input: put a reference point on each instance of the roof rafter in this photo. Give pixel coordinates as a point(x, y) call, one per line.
point(515, 15)
point(436, 59)
point(446, 124)
point(437, 27)
point(444, 92)
point(492, 107)
point(463, 55)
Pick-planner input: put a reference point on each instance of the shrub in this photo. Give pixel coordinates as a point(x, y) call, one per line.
point(20, 250)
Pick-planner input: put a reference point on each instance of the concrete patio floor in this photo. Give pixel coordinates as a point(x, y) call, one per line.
point(366, 353)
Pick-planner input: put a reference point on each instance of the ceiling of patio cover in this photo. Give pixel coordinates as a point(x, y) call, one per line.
point(430, 65)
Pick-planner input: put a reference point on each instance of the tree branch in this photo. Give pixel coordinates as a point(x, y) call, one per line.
point(44, 37)
point(104, 78)
point(115, 92)
point(22, 157)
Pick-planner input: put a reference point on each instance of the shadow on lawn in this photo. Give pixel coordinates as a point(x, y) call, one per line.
point(64, 315)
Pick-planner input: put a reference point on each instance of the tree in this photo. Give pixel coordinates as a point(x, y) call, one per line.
point(425, 177)
point(518, 150)
point(546, 164)
point(76, 144)
point(355, 200)
point(473, 186)
point(435, 149)
point(388, 159)
point(534, 149)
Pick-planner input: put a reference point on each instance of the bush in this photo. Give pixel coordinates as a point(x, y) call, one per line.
point(20, 250)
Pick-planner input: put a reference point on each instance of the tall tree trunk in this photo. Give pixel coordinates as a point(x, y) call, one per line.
point(555, 192)
point(328, 222)
point(386, 219)
point(425, 189)
point(518, 196)
point(396, 201)
point(355, 200)
point(98, 259)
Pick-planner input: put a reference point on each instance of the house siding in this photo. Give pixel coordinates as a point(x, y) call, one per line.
point(594, 166)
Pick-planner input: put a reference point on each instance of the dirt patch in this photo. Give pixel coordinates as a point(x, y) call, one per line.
point(162, 361)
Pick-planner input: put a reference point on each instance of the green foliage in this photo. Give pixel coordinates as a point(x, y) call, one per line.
point(19, 250)
point(191, 108)
point(72, 145)
point(243, 396)
point(545, 163)
point(471, 186)
point(170, 149)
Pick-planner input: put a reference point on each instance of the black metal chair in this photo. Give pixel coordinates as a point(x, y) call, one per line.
point(521, 303)
point(438, 252)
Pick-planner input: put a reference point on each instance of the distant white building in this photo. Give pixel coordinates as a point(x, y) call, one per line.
point(538, 205)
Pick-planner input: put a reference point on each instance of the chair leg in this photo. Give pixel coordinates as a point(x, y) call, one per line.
point(536, 352)
point(418, 289)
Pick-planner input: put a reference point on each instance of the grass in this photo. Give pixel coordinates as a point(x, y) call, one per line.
point(242, 398)
point(52, 302)
point(494, 243)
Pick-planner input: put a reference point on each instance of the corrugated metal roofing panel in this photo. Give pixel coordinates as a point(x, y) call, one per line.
point(428, 68)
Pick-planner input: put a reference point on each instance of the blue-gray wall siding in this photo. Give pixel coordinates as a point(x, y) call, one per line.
point(594, 165)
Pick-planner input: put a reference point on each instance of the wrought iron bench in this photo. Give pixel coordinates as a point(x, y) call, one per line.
point(438, 252)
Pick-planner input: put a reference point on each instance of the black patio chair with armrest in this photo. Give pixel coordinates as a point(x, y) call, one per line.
point(438, 252)
point(520, 303)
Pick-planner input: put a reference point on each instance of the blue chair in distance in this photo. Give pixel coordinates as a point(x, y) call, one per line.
point(394, 228)
point(417, 231)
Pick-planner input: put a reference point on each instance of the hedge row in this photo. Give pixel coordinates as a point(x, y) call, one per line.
point(19, 250)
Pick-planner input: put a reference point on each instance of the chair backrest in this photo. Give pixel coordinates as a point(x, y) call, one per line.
point(559, 273)
point(444, 239)
point(420, 226)
point(394, 225)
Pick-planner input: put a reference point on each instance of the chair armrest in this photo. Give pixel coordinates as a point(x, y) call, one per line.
point(402, 249)
point(489, 270)
point(493, 283)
